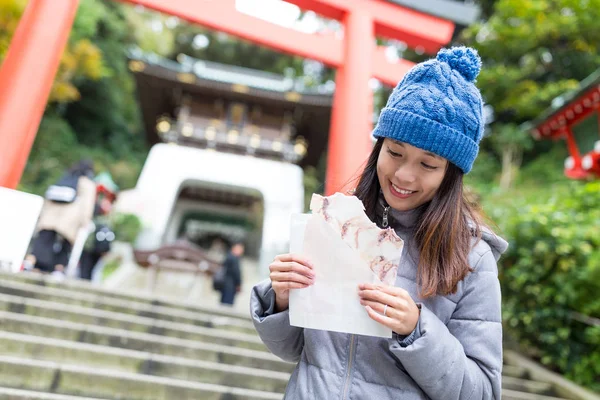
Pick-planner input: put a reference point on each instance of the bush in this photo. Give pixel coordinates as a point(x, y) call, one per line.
point(547, 167)
point(550, 277)
point(484, 175)
point(125, 226)
point(110, 268)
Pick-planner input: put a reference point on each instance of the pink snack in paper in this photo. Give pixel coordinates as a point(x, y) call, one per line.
point(380, 249)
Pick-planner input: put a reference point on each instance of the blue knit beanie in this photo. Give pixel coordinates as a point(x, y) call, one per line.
point(437, 107)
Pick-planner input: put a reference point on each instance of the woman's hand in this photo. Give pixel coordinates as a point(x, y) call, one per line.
point(401, 313)
point(289, 271)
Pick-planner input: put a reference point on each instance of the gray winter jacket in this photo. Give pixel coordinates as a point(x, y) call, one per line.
point(454, 353)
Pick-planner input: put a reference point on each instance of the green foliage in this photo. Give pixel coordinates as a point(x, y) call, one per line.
point(510, 135)
point(533, 51)
point(80, 60)
point(10, 12)
point(107, 115)
point(314, 181)
point(551, 270)
point(93, 111)
point(484, 175)
point(151, 30)
point(110, 267)
point(230, 50)
point(51, 153)
point(547, 167)
point(125, 226)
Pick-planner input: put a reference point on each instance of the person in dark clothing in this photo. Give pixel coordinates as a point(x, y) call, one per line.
point(68, 207)
point(50, 249)
point(233, 274)
point(101, 244)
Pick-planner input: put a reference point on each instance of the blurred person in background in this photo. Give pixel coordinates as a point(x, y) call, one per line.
point(68, 207)
point(99, 242)
point(232, 274)
point(98, 246)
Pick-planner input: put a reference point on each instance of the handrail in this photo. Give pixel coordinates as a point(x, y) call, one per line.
point(586, 319)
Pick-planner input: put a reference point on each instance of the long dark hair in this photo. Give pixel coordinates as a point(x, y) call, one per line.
point(444, 233)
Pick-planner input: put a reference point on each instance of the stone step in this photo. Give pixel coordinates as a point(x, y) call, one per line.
point(120, 338)
point(525, 385)
point(63, 351)
point(508, 394)
point(108, 303)
point(86, 287)
point(67, 352)
point(132, 323)
point(20, 394)
point(562, 387)
point(515, 371)
point(94, 382)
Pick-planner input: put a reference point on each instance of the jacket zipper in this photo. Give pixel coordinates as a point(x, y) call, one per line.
point(385, 216)
point(349, 372)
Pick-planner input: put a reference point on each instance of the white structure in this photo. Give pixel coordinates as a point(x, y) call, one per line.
point(18, 216)
point(170, 168)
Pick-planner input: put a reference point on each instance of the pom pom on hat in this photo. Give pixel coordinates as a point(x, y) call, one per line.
point(465, 60)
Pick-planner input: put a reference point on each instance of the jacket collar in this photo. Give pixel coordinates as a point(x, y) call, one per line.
point(399, 219)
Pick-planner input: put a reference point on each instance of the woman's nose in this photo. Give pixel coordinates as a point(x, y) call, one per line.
point(405, 174)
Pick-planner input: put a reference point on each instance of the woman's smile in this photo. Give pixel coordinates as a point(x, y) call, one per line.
point(401, 192)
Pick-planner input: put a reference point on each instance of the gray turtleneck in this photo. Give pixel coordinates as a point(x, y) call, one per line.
point(455, 352)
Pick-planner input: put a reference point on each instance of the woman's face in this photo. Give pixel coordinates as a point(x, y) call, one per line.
point(409, 176)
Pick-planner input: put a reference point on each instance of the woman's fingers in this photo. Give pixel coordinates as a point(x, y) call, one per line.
point(293, 258)
point(383, 320)
point(380, 297)
point(380, 308)
point(393, 296)
point(283, 266)
point(391, 290)
point(291, 277)
point(289, 271)
point(277, 285)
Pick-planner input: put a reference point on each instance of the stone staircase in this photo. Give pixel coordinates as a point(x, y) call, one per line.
point(72, 340)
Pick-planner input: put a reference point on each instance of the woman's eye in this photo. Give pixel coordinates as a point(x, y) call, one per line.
point(394, 154)
point(431, 167)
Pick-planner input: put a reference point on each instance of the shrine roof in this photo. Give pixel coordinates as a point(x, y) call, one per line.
point(567, 107)
point(226, 74)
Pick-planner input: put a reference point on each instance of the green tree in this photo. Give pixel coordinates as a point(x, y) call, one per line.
point(80, 60)
point(92, 110)
point(152, 31)
point(108, 116)
point(534, 50)
point(511, 143)
point(10, 12)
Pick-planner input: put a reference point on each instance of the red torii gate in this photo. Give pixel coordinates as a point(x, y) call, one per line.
point(44, 28)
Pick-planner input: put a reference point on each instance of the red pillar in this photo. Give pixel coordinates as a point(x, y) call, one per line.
point(572, 145)
point(349, 137)
point(26, 77)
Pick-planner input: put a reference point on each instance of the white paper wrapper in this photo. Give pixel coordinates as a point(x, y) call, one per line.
point(332, 303)
point(380, 248)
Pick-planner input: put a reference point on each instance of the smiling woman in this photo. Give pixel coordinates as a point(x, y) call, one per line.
point(444, 307)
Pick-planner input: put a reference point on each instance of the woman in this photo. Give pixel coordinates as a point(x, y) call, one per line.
point(68, 207)
point(444, 309)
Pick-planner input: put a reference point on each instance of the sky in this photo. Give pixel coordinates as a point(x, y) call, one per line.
point(279, 12)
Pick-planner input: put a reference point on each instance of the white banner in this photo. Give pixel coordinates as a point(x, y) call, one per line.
point(19, 212)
